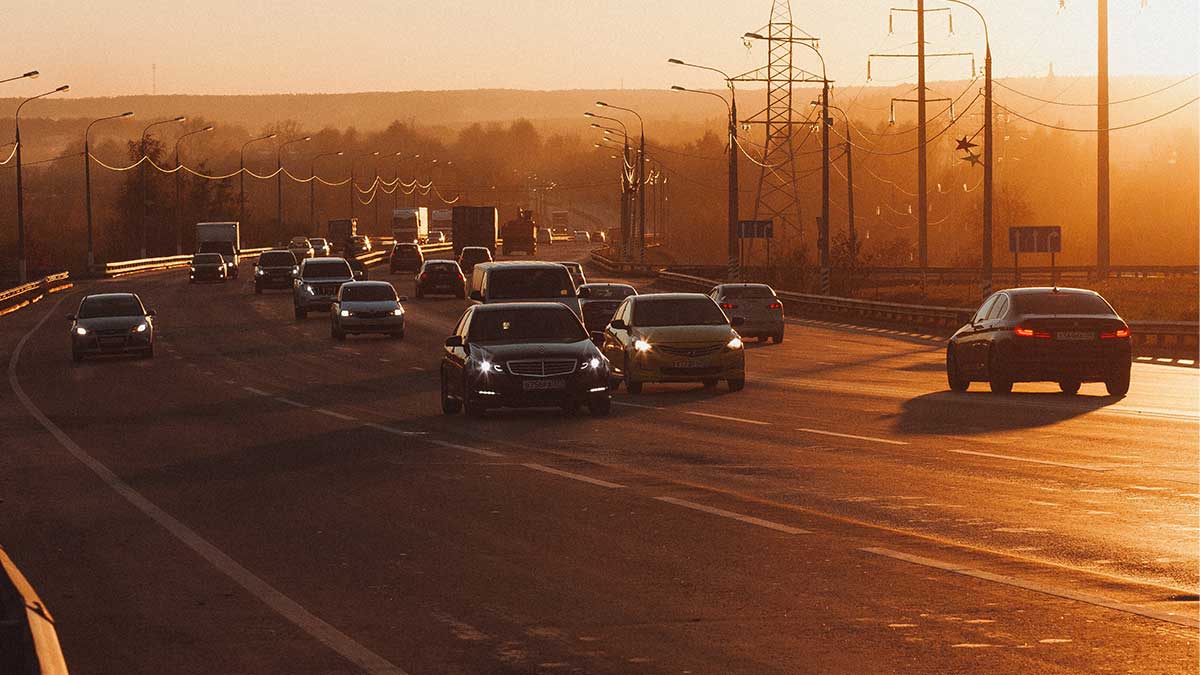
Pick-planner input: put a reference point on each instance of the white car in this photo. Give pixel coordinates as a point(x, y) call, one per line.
point(366, 307)
point(582, 237)
point(302, 248)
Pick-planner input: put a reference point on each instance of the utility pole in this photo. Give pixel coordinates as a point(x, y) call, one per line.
point(823, 231)
point(1102, 212)
point(850, 196)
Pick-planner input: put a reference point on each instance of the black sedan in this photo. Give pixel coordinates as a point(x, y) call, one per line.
point(522, 354)
point(599, 301)
point(440, 276)
point(111, 323)
point(1063, 335)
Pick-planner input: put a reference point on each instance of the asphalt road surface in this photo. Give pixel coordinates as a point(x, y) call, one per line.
point(260, 499)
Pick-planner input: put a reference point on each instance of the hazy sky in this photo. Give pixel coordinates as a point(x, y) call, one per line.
point(102, 47)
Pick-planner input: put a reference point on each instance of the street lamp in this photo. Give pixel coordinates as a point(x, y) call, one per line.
point(641, 175)
point(626, 182)
point(731, 107)
point(312, 187)
point(279, 177)
point(21, 269)
point(242, 174)
point(179, 189)
point(353, 187)
point(849, 181)
point(87, 181)
point(31, 75)
point(142, 172)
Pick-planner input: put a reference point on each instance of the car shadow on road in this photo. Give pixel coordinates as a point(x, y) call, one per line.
point(971, 413)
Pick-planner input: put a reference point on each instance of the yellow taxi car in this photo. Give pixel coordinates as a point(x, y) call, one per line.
point(673, 337)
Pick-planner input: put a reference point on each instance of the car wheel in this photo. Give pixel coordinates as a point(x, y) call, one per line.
point(257, 289)
point(1070, 387)
point(450, 406)
point(301, 314)
point(76, 356)
point(471, 405)
point(398, 335)
point(709, 384)
point(778, 337)
point(956, 381)
point(337, 334)
point(737, 384)
point(997, 379)
point(600, 406)
point(461, 295)
point(420, 293)
point(148, 353)
point(570, 407)
point(1118, 384)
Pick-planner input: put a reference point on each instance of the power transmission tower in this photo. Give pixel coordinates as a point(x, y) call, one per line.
point(778, 192)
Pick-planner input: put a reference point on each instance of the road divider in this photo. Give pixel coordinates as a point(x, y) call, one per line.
point(28, 638)
point(22, 296)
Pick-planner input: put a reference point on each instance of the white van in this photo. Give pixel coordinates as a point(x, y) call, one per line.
point(524, 281)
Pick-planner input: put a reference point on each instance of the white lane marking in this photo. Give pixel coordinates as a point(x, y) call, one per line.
point(337, 415)
point(230, 382)
point(294, 404)
point(394, 430)
point(1145, 358)
point(1039, 587)
point(859, 438)
point(1163, 360)
point(208, 372)
point(258, 392)
point(1011, 458)
point(385, 360)
point(730, 419)
point(289, 609)
point(464, 448)
point(573, 476)
point(417, 368)
point(635, 405)
point(1186, 362)
point(735, 516)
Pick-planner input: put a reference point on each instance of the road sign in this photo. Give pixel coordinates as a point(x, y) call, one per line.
point(1035, 239)
point(756, 229)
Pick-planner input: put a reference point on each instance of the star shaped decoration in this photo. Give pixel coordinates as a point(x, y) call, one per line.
point(965, 144)
point(972, 158)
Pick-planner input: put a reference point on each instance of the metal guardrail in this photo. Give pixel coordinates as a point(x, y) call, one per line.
point(13, 299)
point(28, 639)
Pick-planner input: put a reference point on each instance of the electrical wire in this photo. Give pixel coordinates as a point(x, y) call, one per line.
point(1094, 105)
point(1094, 131)
point(10, 155)
point(908, 150)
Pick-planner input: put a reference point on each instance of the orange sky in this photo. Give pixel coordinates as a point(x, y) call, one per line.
point(248, 46)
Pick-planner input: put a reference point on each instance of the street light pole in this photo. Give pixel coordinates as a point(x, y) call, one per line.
point(641, 176)
point(179, 190)
point(242, 175)
point(279, 178)
point(312, 188)
point(353, 187)
point(32, 75)
point(87, 183)
point(142, 174)
point(849, 186)
point(22, 271)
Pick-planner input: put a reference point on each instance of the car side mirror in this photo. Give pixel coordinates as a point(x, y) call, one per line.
point(617, 324)
point(737, 321)
point(70, 317)
point(358, 274)
point(404, 298)
point(454, 341)
point(598, 338)
point(585, 293)
point(151, 312)
point(476, 295)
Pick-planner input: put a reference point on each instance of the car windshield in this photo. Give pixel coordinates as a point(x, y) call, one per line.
point(1060, 303)
point(300, 242)
point(317, 242)
point(331, 268)
point(529, 282)
point(677, 312)
point(573, 266)
point(407, 250)
point(747, 292)
point(110, 305)
point(527, 324)
point(610, 292)
point(442, 268)
point(277, 259)
point(476, 254)
point(207, 259)
point(368, 293)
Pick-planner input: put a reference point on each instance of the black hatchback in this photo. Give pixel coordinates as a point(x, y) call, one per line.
point(406, 258)
point(440, 276)
point(1064, 335)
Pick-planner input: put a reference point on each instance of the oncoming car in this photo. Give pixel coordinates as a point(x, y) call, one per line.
point(301, 247)
point(674, 337)
point(207, 267)
point(522, 354)
point(1064, 335)
point(317, 283)
point(366, 307)
point(111, 323)
point(274, 269)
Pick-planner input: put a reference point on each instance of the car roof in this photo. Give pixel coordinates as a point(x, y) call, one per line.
point(669, 296)
point(568, 263)
point(368, 283)
point(745, 285)
point(325, 258)
point(1036, 290)
point(477, 248)
point(500, 306)
point(596, 284)
point(104, 296)
point(276, 250)
point(521, 263)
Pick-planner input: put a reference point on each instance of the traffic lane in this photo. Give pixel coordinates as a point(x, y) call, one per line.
point(118, 583)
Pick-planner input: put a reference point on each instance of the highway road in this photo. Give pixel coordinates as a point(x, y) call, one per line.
point(260, 499)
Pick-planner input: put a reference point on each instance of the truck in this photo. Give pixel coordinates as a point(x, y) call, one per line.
point(560, 222)
point(442, 220)
point(410, 225)
point(224, 238)
point(475, 226)
point(339, 232)
point(520, 234)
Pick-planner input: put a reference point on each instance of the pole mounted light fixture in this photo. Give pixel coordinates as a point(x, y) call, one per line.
point(21, 266)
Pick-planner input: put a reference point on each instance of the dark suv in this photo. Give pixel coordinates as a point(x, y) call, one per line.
point(470, 256)
point(406, 258)
point(318, 282)
point(274, 269)
point(441, 276)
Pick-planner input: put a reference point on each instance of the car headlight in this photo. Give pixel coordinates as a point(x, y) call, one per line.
point(641, 345)
point(258, 272)
point(192, 270)
point(309, 289)
point(735, 343)
point(80, 330)
point(344, 312)
point(397, 312)
point(486, 366)
point(589, 364)
point(295, 270)
point(141, 327)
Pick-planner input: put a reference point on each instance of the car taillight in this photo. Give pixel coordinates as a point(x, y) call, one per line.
point(775, 305)
point(1022, 331)
point(1118, 333)
point(727, 305)
point(424, 276)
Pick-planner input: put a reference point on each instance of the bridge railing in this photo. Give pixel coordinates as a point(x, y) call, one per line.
point(27, 630)
point(13, 299)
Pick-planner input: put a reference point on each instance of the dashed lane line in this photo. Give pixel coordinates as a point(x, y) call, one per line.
point(778, 527)
point(1012, 458)
point(394, 430)
point(727, 418)
point(335, 414)
point(272, 597)
point(465, 448)
point(854, 436)
point(294, 404)
point(257, 392)
point(623, 404)
point(573, 476)
point(1037, 587)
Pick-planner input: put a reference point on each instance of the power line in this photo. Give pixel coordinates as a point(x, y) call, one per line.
point(1094, 131)
point(1093, 105)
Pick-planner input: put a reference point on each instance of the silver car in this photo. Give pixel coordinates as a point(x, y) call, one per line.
point(321, 247)
point(301, 247)
point(111, 323)
point(758, 306)
point(366, 307)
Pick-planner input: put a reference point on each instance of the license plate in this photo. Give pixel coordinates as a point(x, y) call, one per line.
point(689, 363)
point(1078, 335)
point(112, 342)
point(544, 385)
